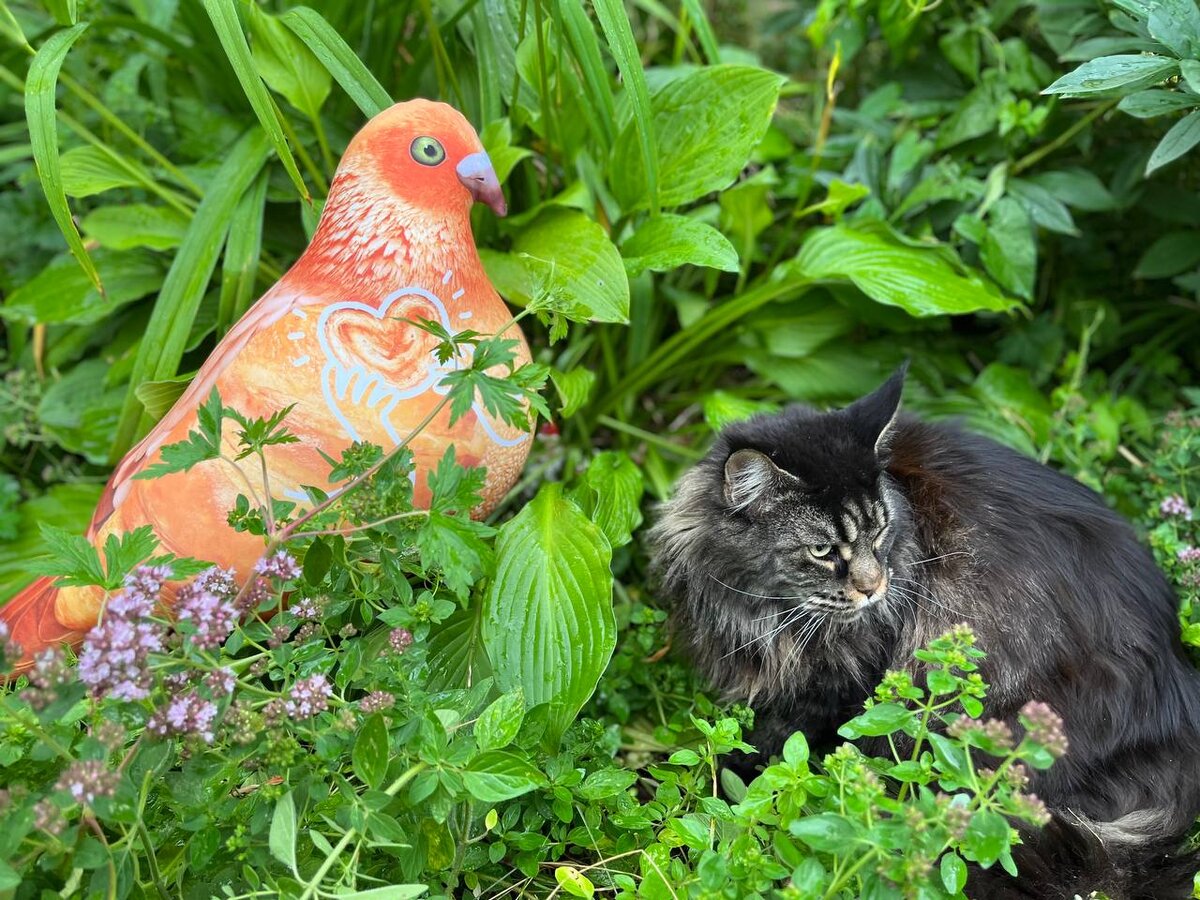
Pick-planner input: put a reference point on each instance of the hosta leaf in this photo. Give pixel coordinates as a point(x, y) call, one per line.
point(548, 622)
point(89, 170)
point(135, 225)
point(669, 241)
point(706, 122)
point(918, 280)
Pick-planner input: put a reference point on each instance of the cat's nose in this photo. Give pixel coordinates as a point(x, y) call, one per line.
point(868, 585)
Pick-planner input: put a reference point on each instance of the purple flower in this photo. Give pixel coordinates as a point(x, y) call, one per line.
point(400, 639)
point(48, 817)
point(1175, 505)
point(308, 697)
point(114, 652)
point(376, 701)
point(279, 564)
point(1189, 554)
point(48, 674)
point(87, 779)
point(188, 715)
point(1045, 726)
point(9, 649)
point(207, 603)
point(221, 682)
point(306, 609)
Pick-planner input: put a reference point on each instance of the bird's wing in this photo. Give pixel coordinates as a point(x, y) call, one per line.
point(273, 305)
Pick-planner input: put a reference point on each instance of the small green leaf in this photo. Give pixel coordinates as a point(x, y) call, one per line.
point(987, 837)
point(795, 749)
point(282, 838)
point(1182, 137)
point(370, 755)
point(499, 724)
point(954, 873)
point(1127, 72)
point(497, 775)
point(1169, 255)
point(827, 832)
point(606, 783)
point(880, 719)
point(574, 882)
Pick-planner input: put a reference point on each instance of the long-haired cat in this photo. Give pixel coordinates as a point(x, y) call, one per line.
point(810, 552)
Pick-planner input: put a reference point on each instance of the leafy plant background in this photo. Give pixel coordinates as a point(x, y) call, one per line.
point(715, 209)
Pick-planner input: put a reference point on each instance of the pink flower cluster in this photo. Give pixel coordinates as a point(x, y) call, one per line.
point(87, 779)
point(1189, 555)
point(1175, 505)
point(187, 715)
point(113, 660)
point(308, 697)
point(208, 604)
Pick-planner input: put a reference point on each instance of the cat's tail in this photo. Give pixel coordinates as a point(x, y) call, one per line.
point(1072, 856)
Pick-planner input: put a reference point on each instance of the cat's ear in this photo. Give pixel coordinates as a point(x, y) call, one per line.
point(874, 415)
point(750, 476)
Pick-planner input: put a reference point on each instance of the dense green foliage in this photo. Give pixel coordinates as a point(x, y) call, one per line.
point(713, 212)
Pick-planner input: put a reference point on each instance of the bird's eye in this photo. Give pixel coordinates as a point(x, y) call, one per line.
point(820, 551)
point(427, 151)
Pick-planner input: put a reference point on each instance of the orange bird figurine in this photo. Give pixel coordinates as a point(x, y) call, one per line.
point(333, 336)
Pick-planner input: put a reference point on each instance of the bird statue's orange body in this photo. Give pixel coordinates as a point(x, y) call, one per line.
point(332, 336)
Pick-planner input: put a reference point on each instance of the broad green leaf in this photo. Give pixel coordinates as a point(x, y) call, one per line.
point(1151, 103)
point(922, 282)
point(62, 293)
point(1078, 188)
point(496, 775)
point(341, 62)
point(282, 837)
point(40, 85)
point(456, 654)
point(572, 267)
point(669, 241)
point(1009, 249)
point(1043, 207)
point(223, 14)
point(614, 22)
point(707, 123)
point(135, 225)
point(370, 754)
point(616, 495)
point(1182, 137)
point(548, 622)
point(1126, 72)
point(954, 873)
point(286, 64)
point(606, 783)
point(574, 389)
point(498, 725)
point(89, 170)
point(722, 408)
point(1176, 23)
point(79, 410)
point(1190, 70)
point(170, 323)
point(1170, 254)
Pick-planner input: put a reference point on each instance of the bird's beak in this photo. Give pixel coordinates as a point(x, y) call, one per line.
point(478, 176)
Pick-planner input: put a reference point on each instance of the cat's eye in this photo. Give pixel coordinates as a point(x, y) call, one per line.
point(821, 551)
point(427, 151)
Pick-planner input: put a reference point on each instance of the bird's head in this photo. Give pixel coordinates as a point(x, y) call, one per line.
point(428, 155)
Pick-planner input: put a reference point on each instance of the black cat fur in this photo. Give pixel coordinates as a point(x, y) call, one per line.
point(1069, 607)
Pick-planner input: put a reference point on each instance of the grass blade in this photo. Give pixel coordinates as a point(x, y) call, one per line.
point(619, 34)
point(342, 62)
point(233, 40)
point(167, 331)
point(242, 251)
point(43, 136)
point(586, 50)
point(65, 12)
point(704, 31)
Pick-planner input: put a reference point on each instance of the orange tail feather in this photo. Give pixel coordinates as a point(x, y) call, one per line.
point(32, 624)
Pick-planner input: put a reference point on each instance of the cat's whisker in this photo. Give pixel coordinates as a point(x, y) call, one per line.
point(751, 593)
point(921, 562)
point(763, 638)
point(920, 590)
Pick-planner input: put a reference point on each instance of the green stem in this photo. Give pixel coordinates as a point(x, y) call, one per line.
point(649, 437)
point(1036, 156)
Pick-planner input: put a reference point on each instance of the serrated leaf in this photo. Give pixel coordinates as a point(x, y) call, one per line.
point(496, 775)
point(1127, 72)
point(548, 622)
point(369, 757)
point(920, 281)
point(498, 725)
point(282, 838)
point(669, 241)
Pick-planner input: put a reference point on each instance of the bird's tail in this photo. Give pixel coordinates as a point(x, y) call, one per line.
point(32, 623)
point(1068, 858)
